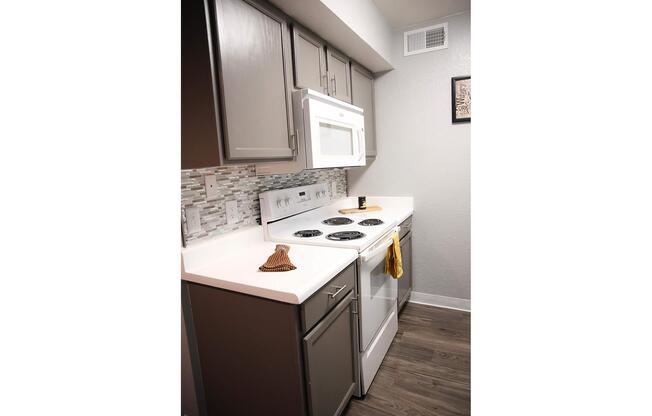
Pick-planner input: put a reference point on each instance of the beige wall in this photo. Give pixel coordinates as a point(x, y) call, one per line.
point(364, 18)
point(420, 153)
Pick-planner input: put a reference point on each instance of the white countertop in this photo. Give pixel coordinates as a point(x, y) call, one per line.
point(231, 262)
point(398, 208)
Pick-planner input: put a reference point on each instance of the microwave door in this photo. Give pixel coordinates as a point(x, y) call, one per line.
point(334, 135)
point(336, 144)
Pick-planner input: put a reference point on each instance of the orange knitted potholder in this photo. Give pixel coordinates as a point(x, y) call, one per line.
point(279, 261)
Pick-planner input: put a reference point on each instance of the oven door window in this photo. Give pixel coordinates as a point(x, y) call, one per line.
point(378, 292)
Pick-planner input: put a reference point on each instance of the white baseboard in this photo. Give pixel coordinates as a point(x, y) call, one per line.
point(440, 301)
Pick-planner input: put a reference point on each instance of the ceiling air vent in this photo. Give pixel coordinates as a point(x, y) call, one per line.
point(425, 39)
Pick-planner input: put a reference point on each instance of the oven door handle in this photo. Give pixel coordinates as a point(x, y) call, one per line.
point(380, 248)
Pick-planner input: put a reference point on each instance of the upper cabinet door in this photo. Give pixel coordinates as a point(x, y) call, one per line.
point(339, 75)
point(309, 61)
point(255, 73)
point(362, 90)
point(200, 133)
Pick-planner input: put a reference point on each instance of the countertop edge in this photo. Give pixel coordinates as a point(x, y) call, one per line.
point(408, 215)
point(281, 296)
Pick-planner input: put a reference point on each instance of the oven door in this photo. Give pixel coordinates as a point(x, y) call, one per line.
point(377, 292)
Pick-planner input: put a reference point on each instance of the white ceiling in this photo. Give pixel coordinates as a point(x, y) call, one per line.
point(328, 19)
point(401, 14)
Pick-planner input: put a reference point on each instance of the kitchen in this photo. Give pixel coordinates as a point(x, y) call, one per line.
point(309, 249)
point(246, 207)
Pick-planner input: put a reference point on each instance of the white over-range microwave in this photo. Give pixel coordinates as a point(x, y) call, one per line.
point(332, 130)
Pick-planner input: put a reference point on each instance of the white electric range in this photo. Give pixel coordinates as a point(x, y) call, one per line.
point(306, 215)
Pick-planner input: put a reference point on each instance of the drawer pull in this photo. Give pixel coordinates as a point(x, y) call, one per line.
point(337, 292)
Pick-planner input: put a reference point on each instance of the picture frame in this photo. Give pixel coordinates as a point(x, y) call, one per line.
point(461, 99)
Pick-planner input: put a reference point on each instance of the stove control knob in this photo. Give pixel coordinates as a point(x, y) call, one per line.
point(323, 193)
point(317, 194)
point(287, 201)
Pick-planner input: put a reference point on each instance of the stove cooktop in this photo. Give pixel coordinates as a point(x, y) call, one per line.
point(371, 221)
point(345, 235)
point(303, 228)
point(307, 233)
point(337, 221)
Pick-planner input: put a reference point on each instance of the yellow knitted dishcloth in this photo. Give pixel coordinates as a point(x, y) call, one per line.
point(393, 260)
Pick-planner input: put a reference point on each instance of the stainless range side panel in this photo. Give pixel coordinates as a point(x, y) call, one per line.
point(406, 227)
point(405, 282)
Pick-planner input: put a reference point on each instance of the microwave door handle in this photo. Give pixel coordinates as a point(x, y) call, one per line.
point(360, 155)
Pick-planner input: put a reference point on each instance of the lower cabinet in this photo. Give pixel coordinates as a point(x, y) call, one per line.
point(256, 356)
point(330, 361)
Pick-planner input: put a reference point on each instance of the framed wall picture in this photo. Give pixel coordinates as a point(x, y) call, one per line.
point(461, 99)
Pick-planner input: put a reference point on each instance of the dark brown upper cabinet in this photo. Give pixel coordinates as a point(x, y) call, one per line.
point(339, 74)
point(309, 61)
point(362, 91)
point(255, 80)
point(200, 132)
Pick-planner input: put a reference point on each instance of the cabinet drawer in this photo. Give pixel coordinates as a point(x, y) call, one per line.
point(406, 227)
point(327, 297)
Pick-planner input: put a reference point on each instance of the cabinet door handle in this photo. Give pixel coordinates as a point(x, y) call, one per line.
point(293, 141)
point(337, 292)
point(324, 82)
point(334, 85)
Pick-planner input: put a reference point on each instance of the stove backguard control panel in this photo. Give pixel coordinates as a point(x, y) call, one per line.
point(282, 203)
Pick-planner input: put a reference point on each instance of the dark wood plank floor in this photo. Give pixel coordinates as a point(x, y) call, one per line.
point(427, 370)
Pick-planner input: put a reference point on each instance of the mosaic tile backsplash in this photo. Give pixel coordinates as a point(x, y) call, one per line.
point(240, 183)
